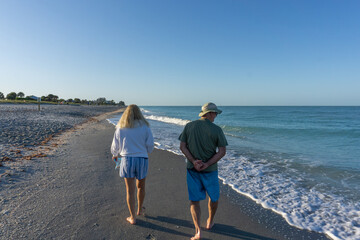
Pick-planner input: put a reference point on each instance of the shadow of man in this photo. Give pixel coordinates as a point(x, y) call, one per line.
point(219, 229)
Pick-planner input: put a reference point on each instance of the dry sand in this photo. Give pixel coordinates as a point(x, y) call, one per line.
point(75, 193)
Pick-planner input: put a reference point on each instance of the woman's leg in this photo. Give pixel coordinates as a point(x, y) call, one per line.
point(130, 199)
point(140, 195)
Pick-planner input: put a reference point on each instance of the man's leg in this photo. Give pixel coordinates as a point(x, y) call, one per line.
point(130, 199)
point(212, 206)
point(196, 213)
point(140, 195)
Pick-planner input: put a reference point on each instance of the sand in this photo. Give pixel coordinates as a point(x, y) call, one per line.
point(75, 193)
point(25, 131)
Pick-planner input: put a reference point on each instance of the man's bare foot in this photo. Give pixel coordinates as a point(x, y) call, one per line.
point(197, 236)
point(141, 211)
point(131, 220)
point(209, 224)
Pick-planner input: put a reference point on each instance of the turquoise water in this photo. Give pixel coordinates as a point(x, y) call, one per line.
point(301, 162)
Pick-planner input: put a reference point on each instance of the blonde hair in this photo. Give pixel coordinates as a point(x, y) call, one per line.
point(130, 115)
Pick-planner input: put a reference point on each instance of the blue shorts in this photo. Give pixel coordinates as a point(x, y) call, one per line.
point(200, 183)
point(134, 167)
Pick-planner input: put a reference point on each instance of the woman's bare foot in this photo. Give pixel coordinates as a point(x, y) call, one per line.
point(141, 211)
point(131, 220)
point(197, 236)
point(209, 224)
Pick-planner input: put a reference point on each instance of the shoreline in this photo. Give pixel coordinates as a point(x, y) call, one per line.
point(76, 193)
point(281, 167)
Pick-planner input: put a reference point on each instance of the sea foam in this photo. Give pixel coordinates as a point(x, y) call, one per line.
point(274, 181)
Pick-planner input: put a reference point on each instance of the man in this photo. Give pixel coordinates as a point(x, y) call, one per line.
point(203, 144)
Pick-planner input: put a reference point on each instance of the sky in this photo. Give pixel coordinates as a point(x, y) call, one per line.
point(183, 52)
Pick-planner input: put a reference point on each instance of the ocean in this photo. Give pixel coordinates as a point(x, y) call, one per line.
point(301, 162)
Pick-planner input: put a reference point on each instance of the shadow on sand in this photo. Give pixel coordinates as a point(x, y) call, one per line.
point(160, 227)
point(218, 229)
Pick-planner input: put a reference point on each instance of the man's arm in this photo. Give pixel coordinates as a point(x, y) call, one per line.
point(196, 162)
point(221, 152)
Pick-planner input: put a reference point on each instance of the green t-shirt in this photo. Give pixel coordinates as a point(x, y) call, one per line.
point(202, 138)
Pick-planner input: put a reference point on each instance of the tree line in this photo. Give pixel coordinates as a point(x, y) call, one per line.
point(55, 99)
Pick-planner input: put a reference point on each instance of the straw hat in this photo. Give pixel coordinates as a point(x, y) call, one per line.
point(209, 107)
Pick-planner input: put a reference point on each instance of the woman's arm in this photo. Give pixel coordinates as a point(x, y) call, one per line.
point(115, 146)
point(149, 141)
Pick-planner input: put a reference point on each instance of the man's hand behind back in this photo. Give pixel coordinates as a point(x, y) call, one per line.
point(198, 165)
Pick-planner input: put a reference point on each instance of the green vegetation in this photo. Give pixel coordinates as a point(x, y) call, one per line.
point(20, 95)
point(53, 99)
point(11, 96)
point(19, 101)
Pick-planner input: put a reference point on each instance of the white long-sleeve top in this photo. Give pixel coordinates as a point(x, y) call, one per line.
point(133, 142)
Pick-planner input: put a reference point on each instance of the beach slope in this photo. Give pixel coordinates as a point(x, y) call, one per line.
point(75, 193)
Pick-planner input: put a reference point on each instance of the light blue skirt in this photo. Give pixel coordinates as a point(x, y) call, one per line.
point(134, 167)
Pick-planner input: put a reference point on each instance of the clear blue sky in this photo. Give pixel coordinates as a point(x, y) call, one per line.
point(183, 52)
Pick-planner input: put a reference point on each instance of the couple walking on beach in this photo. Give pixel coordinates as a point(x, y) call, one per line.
point(202, 142)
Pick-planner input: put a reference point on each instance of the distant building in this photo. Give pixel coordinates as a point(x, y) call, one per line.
point(34, 97)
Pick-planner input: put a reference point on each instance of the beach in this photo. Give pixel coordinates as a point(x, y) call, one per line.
point(25, 131)
point(73, 192)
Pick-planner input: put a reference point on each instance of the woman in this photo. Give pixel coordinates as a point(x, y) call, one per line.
point(133, 140)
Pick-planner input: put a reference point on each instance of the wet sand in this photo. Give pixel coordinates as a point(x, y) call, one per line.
point(75, 193)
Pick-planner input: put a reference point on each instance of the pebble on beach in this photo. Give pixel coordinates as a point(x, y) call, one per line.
point(24, 128)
